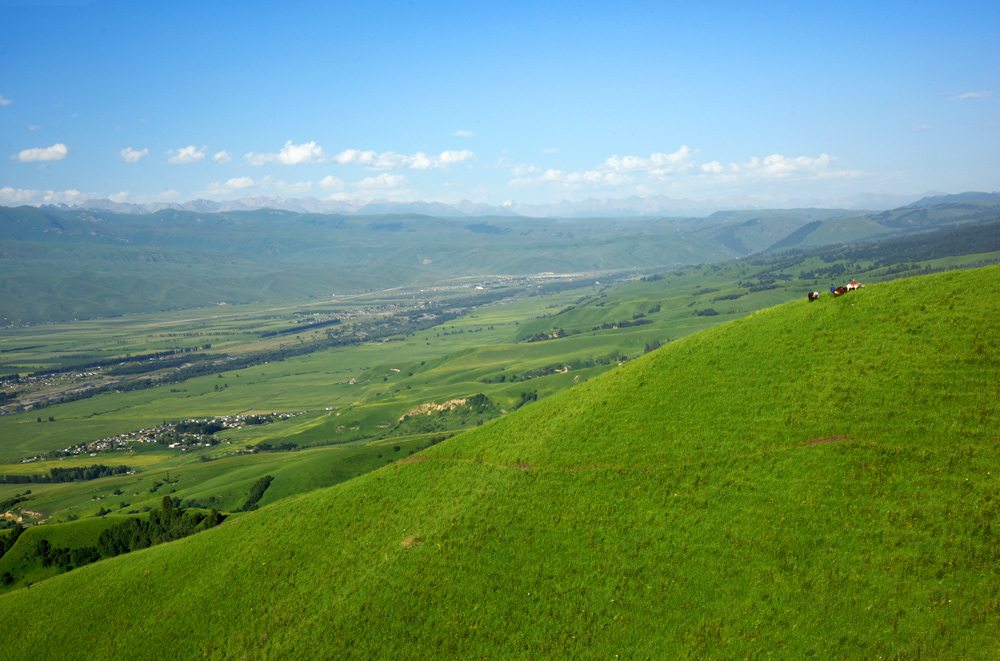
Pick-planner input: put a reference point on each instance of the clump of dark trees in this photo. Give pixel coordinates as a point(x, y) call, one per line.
point(256, 493)
point(625, 323)
point(556, 334)
point(7, 541)
point(10, 502)
point(194, 427)
point(526, 398)
point(64, 558)
point(286, 446)
point(166, 524)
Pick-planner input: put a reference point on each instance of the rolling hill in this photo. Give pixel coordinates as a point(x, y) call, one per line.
point(810, 480)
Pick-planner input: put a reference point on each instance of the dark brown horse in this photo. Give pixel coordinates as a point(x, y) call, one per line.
point(838, 291)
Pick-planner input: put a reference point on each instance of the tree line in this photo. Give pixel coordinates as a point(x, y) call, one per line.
point(108, 362)
point(298, 328)
point(166, 524)
point(7, 541)
point(256, 493)
point(72, 474)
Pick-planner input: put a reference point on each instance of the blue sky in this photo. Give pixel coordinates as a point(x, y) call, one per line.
point(493, 102)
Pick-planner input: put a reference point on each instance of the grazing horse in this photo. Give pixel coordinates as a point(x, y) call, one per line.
point(813, 296)
point(854, 285)
point(839, 290)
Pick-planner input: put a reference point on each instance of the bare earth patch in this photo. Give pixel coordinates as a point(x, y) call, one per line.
point(410, 460)
point(411, 541)
point(430, 407)
point(524, 466)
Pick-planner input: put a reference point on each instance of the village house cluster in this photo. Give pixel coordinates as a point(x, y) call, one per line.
point(173, 435)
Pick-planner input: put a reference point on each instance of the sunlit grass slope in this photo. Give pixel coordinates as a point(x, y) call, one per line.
point(812, 480)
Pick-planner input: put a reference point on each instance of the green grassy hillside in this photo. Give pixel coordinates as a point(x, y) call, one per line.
point(811, 480)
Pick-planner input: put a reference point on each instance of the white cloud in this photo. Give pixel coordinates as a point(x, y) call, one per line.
point(463, 134)
point(4, 101)
point(575, 180)
point(290, 154)
point(550, 150)
point(382, 181)
point(553, 175)
point(679, 171)
point(286, 188)
point(521, 170)
point(222, 157)
point(237, 183)
point(357, 156)
point(56, 152)
point(19, 196)
point(331, 182)
point(658, 163)
point(449, 157)
point(777, 166)
point(266, 184)
point(217, 189)
point(119, 197)
point(189, 154)
point(616, 171)
point(392, 161)
point(35, 127)
point(975, 95)
point(130, 155)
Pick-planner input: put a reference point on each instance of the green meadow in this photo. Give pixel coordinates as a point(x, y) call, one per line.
point(807, 480)
point(511, 340)
point(379, 381)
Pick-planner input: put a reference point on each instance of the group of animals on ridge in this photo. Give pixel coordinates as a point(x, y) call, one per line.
point(837, 291)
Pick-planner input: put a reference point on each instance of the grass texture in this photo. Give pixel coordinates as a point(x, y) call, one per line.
point(813, 480)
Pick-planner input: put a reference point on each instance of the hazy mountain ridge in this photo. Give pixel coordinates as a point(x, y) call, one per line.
point(971, 196)
point(591, 207)
point(189, 258)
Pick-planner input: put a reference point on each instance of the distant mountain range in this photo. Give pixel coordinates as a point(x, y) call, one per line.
point(66, 263)
point(657, 205)
point(953, 199)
